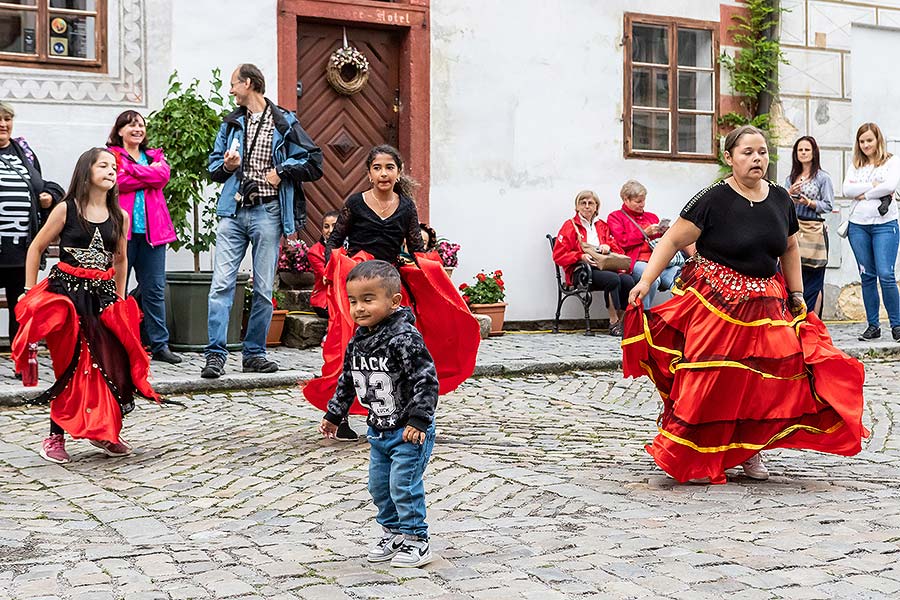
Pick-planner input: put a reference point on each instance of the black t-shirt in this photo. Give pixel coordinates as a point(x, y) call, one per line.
point(748, 237)
point(365, 230)
point(17, 178)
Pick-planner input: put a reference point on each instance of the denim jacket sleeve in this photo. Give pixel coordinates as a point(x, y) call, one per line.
point(217, 171)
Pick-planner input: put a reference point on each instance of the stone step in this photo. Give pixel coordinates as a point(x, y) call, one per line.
point(303, 331)
point(296, 300)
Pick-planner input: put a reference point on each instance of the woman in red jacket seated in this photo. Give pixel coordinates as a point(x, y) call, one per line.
point(142, 174)
point(584, 233)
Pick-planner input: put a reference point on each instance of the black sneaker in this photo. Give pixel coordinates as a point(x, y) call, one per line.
point(215, 366)
point(872, 333)
point(895, 333)
point(259, 364)
point(344, 433)
point(166, 355)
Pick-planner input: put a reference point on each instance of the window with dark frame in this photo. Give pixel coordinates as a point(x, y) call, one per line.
point(671, 88)
point(63, 34)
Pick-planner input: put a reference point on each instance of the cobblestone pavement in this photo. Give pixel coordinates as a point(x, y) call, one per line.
point(538, 489)
point(515, 353)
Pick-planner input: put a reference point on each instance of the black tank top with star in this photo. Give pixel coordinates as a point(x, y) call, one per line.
point(90, 247)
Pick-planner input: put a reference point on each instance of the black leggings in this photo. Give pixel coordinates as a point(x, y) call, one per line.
point(616, 285)
point(54, 428)
point(12, 279)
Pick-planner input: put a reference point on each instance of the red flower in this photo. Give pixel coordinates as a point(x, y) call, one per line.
point(463, 286)
point(499, 282)
point(467, 299)
point(498, 273)
point(274, 303)
point(481, 277)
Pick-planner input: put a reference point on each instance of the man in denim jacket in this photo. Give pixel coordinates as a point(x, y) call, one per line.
point(261, 156)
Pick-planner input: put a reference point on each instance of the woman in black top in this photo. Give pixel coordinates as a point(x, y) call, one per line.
point(739, 364)
point(375, 224)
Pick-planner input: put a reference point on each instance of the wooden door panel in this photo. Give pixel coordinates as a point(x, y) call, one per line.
point(345, 127)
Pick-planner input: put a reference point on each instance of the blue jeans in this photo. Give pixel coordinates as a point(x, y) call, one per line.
point(149, 266)
point(664, 281)
point(259, 226)
point(875, 249)
point(395, 480)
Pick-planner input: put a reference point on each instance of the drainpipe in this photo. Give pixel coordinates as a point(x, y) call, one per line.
point(767, 97)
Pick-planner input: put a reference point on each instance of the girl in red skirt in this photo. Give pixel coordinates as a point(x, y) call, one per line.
point(375, 224)
point(92, 334)
point(739, 364)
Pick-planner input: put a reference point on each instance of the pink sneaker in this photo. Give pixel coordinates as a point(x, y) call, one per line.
point(53, 449)
point(122, 448)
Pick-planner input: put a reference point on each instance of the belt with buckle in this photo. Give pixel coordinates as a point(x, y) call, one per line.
point(256, 202)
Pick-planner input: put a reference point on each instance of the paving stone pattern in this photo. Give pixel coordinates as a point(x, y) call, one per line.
point(539, 489)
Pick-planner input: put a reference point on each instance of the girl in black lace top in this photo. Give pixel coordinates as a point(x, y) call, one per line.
point(98, 358)
point(379, 220)
point(375, 224)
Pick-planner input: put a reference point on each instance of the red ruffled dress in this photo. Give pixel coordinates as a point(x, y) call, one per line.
point(98, 359)
point(737, 372)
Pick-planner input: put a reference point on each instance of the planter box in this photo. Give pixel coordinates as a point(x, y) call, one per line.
point(276, 327)
point(187, 310)
point(496, 312)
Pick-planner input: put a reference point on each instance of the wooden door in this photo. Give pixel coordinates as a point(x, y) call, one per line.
point(344, 127)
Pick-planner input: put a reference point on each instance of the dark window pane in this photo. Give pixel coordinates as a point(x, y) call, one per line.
point(74, 4)
point(17, 31)
point(649, 44)
point(650, 87)
point(695, 90)
point(694, 48)
point(72, 37)
point(695, 134)
point(650, 131)
point(20, 2)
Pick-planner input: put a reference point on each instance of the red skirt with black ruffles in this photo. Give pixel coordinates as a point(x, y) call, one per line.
point(738, 373)
point(94, 342)
point(451, 333)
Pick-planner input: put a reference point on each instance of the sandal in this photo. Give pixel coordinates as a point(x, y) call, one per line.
point(616, 329)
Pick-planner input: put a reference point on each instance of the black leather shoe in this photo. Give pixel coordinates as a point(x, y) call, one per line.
point(871, 333)
point(215, 366)
point(259, 364)
point(166, 355)
point(895, 333)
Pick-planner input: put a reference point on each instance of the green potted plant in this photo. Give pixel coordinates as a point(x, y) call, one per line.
point(486, 298)
point(294, 269)
point(185, 128)
point(448, 251)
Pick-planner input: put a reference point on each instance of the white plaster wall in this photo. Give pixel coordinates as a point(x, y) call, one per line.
point(527, 111)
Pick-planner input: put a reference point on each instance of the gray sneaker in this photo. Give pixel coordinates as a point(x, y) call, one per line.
point(386, 548)
point(259, 364)
point(413, 553)
point(215, 366)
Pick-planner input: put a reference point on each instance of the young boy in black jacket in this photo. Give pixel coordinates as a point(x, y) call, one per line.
point(391, 371)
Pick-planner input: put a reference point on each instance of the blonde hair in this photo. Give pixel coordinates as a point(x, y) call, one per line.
point(860, 159)
point(632, 189)
point(587, 194)
point(7, 109)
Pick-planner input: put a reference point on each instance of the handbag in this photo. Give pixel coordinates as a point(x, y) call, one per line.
point(612, 262)
point(677, 261)
point(844, 227)
point(813, 244)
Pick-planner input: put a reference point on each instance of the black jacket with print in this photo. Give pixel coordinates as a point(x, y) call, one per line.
point(391, 371)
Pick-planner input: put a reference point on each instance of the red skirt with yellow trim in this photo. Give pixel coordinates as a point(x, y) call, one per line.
point(451, 333)
point(738, 374)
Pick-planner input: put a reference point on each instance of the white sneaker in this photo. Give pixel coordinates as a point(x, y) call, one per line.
point(386, 548)
point(754, 468)
point(413, 553)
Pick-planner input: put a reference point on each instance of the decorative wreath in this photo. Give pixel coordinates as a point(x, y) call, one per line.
point(347, 70)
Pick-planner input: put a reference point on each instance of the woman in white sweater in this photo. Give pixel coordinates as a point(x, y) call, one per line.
point(873, 232)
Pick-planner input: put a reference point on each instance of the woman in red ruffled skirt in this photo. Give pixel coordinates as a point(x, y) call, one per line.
point(92, 334)
point(739, 364)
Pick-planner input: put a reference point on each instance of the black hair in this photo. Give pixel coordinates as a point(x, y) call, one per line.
point(405, 185)
point(79, 191)
point(797, 166)
point(432, 237)
point(331, 213)
point(257, 80)
point(126, 118)
point(383, 272)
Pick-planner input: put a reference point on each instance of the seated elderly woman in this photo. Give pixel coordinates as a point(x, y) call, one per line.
point(634, 229)
point(582, 242)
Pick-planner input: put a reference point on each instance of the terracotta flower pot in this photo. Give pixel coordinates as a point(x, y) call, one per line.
point(496, 311)
point(276, 328)
point(297, 281)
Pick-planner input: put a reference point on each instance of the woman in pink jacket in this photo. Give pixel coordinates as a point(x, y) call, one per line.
point(142, 174)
